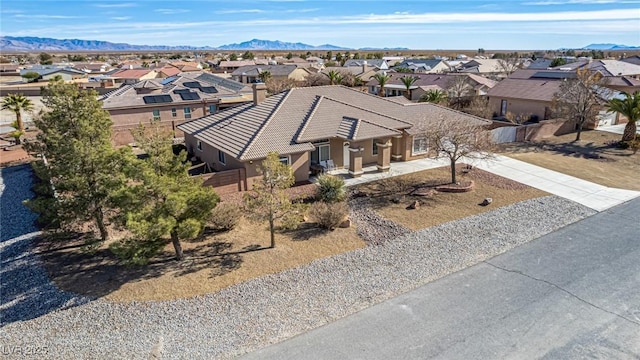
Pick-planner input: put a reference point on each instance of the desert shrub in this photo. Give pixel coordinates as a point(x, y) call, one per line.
point(328, 215)
point(136, 252)
point(331, 189)
point(225, 216)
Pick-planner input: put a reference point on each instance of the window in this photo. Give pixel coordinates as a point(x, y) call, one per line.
point(284, 160)
point(156, 115)
point(221, 158)
point(187, 113)
point(213, 109)
point(420, 145)
point(503, 108)
point(374, 148)
point(199, 145)
point(174, 112)
point(321, 153)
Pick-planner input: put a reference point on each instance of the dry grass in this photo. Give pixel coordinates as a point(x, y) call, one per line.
point(590, 159)
point(213, 263)
point(443, 207)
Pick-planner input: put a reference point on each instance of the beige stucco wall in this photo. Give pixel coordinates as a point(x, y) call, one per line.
point(517, 106)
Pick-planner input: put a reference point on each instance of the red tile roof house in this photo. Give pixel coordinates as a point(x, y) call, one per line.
point(307, 126)
point(170, 101)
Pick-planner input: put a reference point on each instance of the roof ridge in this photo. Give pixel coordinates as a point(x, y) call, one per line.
point(378, 125)
point(264, 125)
point(369, 110)
point(307, 120)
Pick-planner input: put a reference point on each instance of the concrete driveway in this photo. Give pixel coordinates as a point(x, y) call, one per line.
point(616, 129)
point(571, 294)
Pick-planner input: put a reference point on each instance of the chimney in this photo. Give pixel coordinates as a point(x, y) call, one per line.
point(259, 93)
point(364, 66)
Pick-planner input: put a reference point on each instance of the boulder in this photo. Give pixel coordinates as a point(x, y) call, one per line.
point(345, 224)
point(486, 201)
point(414, 205)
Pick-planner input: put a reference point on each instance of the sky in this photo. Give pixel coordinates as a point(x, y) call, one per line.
point(427, 24)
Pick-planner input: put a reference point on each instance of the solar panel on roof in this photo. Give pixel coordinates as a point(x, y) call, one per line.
point(209, 89)
point(179, 91)
point(192, 84)
point(189, 96)
point(167, 80)
point(157, 99)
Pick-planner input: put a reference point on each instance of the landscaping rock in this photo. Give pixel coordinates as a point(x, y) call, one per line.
point(345, 224)
point(414, 205)
point(486, 201)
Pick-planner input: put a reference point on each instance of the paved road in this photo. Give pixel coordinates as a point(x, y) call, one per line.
point(571, 294)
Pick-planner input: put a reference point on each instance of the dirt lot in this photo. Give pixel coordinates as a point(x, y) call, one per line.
point(441, 207)
point(592, 158)
point(215, 262)
point(219, 260)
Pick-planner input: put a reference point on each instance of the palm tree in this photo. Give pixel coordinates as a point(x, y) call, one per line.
point(382, 79)
point(629, 107)
point(408, 81)
point(334, 77)
point(433, 96)
point(264, 76)
point(17, 103)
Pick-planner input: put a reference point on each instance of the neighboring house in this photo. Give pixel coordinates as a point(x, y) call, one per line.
point(47, 73)
point(251, 74)
point(363, 72)
point(309, 127)
point(605, 67)
point(170, 101)
point(540, 64)
point(430, 66)
point(379, 63)
point(230, 66)
point(132, 76)
point(315, 60)
point(632, 60)
point(10, 68)
point(486, 67)
point(531, 92)
point(168, 71)
point(93, 68)
point(424, 82)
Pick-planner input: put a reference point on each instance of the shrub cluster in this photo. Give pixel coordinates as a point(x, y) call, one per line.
point(225, 216)
point(331, 189)
point(328, 215)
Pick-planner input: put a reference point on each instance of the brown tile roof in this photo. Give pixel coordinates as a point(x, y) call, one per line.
point(169, 70)
point(528, 89)
point(285, 121)
point(225, 91)
point(131, 73)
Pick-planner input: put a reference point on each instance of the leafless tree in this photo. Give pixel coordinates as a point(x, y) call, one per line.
point(509, 65)
point(316, 79)
point(479, 106)
point(458, 138)
point(459, 92)
point(275, 86)
point(582, 98)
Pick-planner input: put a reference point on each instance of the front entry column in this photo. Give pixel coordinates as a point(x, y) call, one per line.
point(396, 148)
point(355, 162)
point(384, 156)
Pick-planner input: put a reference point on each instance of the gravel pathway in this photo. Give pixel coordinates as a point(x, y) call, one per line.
point(272, 308)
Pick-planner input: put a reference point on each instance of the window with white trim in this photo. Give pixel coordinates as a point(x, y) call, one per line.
point(187, 113)
point(420, 145)
point(285, 160)
point(174, 112)
point(199, 145)
point(322, 151)
point(221, 158)
point(156, 115)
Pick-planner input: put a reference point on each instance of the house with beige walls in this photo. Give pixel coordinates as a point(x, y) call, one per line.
point(312, 128)
point(251, 73)
point(170, 102)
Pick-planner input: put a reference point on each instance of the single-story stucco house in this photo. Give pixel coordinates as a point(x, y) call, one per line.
point(310, 126)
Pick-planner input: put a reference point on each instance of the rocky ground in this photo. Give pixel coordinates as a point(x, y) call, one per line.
point(261, 311)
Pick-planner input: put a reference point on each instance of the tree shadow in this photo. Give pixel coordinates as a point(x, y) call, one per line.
point(306, 231)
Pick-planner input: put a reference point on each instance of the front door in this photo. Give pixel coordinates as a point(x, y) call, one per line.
point(345, 155)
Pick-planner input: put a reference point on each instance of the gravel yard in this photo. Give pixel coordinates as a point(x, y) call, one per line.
point(269, 309)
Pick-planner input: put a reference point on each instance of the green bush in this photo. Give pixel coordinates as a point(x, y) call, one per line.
point(328, 215)
point(225, 216)
point(136, 252)
point(331, 189)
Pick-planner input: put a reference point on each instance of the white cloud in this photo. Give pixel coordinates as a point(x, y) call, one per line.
point(120, 18)
point(118, 5)
point(301, 10)
point(576, 2)
point(171, 11)
point(240, 11)
point(44, 16)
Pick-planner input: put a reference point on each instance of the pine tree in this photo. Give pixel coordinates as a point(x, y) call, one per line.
point(78, 158)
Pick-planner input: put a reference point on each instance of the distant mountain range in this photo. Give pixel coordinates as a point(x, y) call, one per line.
point(610, 47)
point(15, 43)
